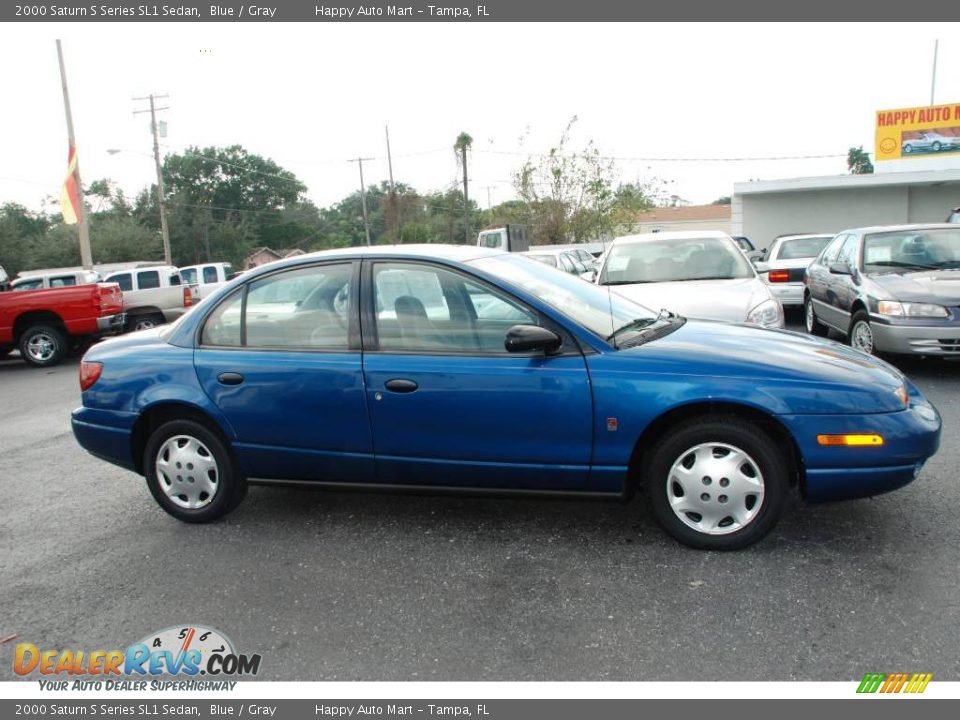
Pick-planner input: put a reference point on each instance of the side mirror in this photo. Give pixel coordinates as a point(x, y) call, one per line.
point(590, 275)
point(530, 338)
point(756, 256)
point(840, 268)
point(761, 267)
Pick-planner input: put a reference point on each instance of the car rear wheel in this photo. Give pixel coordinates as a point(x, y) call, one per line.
point(861, 334)
point(814, 326)
point(717, 483)
point(936, 146)
point(43, 345)
point(144, 322)
point(191, 473)
point(908, 148)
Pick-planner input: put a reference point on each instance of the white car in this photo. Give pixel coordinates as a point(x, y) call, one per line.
point(695, 274)
point(786, 261)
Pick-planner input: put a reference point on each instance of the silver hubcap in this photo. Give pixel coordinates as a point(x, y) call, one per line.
point(41, 347)
point(187, 472)
point(145, 324)
point(862, 337)
point(809, 316)
point(715, 488)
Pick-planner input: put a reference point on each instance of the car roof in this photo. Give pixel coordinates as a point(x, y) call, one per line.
point(459, 253)
point(550, 251)
point(684, 235)
point(900, 228)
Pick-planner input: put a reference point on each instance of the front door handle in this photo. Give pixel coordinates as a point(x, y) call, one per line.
point(229, 378)
point(400, 385)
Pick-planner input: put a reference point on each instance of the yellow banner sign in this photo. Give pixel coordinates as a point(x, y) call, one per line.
point(918, 132)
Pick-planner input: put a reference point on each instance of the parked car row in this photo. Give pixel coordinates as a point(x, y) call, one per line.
point(151, 295)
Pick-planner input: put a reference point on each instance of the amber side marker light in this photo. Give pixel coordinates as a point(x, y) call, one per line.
point(850, 439)
point(89, 374)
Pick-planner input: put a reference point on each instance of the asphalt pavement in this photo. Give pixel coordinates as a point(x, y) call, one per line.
point(360, 586)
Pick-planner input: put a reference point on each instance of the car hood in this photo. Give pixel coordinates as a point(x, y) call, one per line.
point(797, 373)
point(728, 300)
point(939, 286)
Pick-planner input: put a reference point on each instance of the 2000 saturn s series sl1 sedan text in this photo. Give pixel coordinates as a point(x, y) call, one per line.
point(461, 367)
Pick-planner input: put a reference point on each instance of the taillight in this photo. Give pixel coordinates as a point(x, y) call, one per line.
point(779, 276)
point(187, 296)
point(89, 373)
point(96, 298)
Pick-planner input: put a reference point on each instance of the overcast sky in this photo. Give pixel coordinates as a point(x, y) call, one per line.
point(309, 96)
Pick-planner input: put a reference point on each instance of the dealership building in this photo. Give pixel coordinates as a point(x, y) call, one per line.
point(916, 180)
point(764, 209)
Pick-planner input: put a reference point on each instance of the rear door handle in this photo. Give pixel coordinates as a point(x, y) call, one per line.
point(229, 378)
point(400, 385)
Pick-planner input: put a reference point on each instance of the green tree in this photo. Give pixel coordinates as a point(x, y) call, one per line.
point(858, 161)
point(571, 196)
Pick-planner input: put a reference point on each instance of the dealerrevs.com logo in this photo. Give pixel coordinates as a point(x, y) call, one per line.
point(189, 650)
point(888, 683)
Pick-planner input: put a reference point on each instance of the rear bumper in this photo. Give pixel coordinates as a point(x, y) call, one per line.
point(110, 324)
point(106, 442)
point(789, 294)
point(917, 340)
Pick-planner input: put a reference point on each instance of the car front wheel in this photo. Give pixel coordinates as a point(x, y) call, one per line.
point(191, 473)
point(861, 334)
point(717, 483)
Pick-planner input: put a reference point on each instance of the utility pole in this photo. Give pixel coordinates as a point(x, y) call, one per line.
point(394, 207)
point(86, 257)
point(933, 79)
point(363, 196)
point(164, 231)
point(466, 201)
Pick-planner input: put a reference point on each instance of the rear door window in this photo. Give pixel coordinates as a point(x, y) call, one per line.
point(210, 274)
point(148, 279)
point(124, 280)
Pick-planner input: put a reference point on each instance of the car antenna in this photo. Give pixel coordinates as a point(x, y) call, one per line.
point(603, 265)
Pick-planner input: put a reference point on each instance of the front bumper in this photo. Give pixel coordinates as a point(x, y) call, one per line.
point(910, 436)
point(943, 340)
point(111, 324)
point(789, 294)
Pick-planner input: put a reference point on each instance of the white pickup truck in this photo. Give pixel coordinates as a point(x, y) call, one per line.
point(152, 295)
point(207, 277)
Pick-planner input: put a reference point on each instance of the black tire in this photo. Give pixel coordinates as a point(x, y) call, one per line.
point(142, 322)
point(762, 455)
point(908, 148)
point(856, 339)
point(231, 486)
point(43, 345)
point(936, 146)
point(813, 325)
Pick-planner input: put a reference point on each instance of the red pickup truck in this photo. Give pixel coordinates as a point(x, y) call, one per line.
point(46, 324)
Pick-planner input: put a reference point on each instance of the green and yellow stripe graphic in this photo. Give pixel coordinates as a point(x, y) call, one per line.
point(894, 682)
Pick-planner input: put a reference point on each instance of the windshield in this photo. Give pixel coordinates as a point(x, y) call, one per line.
point(674, 260)
point(799, 248)
point(912, 250)
point(596, 309)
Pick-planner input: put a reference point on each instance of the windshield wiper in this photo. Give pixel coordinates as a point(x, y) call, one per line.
point(665, 316)
point(626, 282)
point(903, 265)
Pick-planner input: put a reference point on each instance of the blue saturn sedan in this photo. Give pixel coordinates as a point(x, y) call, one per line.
point(460, 368)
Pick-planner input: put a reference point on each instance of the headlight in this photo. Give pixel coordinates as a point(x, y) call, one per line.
point(768, 313)
point(899, 309)
point(904, 396)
